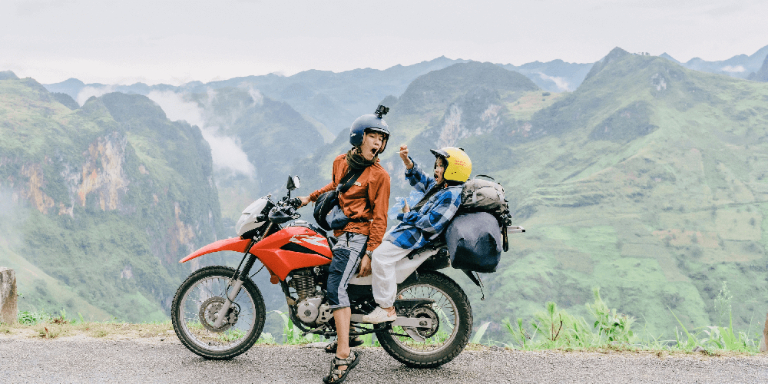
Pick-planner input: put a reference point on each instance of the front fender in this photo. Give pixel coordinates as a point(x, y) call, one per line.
point(234, 244)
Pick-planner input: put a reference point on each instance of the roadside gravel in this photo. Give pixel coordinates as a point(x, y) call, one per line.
point(84, 360)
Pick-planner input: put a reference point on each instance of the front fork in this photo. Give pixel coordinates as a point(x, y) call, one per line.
point(230, 298)
point(236, 283)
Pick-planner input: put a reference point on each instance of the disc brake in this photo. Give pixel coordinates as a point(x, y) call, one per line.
point(209, 312)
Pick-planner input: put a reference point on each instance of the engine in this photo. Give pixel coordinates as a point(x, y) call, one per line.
point(303, 281)
point(310, 308)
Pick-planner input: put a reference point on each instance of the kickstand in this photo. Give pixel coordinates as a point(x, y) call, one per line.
point(475, 277)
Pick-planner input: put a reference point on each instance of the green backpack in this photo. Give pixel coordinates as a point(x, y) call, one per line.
point(480, 195)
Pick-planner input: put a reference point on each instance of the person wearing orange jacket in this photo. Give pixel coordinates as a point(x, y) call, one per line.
point(363, 212)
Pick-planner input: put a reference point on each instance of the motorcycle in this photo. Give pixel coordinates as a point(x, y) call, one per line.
point(218, 312)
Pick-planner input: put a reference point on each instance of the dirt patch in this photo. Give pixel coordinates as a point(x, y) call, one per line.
point(143, 333)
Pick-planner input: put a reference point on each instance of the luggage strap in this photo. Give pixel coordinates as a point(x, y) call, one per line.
point(475, 277)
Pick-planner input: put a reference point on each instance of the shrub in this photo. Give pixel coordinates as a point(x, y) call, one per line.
point(559, 329)
point(607, 323)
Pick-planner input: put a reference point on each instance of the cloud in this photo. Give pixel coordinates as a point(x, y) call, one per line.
point(560, 82)
point(732, 69)
point(258, 99)
point(226, 151)
point(176, 108)
point(89, 91)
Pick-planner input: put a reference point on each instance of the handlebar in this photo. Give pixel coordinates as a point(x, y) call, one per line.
point(285, 210)
point(295, 202)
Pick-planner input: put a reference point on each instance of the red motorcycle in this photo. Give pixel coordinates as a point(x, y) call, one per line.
point(219, 313)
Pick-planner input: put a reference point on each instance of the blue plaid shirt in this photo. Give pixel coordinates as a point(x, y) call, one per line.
point(419, 228)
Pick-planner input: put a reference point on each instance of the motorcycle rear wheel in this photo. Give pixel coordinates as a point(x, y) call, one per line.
point(450, 337)
point(199, 297)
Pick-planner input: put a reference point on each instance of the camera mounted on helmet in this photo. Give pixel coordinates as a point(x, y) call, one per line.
point(369, 123)
point(381, 111)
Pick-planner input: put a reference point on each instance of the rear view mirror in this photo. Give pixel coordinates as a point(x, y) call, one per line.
point(293, 183)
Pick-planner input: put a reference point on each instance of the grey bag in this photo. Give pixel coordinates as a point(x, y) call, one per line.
point(474, 242)
point(480, 195)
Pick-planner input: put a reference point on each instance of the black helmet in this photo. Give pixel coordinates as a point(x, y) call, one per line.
point(369, 123)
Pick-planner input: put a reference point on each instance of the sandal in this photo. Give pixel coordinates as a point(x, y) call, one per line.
point(337, 375)
point(353, 342)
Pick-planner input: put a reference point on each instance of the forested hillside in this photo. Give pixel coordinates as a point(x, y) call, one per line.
point(100, 201)
point(647, 181)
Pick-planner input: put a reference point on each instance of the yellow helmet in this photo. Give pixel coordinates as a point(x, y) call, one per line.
point(459, 165)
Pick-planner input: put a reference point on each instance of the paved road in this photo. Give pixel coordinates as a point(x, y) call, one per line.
point(102, 361)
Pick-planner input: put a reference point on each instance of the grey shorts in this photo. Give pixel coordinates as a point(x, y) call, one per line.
point(347, 252)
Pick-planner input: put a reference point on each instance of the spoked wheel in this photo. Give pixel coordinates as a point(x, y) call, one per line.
point(195, 308)
point(451, 316)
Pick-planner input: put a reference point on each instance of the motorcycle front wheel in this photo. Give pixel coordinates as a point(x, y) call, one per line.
point(451, 316)
point(196, 305)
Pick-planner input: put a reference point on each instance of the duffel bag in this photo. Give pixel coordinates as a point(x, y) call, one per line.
point(474, 242)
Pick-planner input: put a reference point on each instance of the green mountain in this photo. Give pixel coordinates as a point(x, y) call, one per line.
point(439, 107)
point(647, 181)
point(100, 201)
point(332, 100)
point(271, 135)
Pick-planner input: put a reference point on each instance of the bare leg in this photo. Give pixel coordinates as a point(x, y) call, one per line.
point(342, 317)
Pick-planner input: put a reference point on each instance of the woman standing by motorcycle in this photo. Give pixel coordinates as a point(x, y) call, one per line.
point(365, 205)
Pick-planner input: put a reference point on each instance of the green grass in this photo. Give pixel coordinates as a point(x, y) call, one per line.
point(555, 328)
point(550, 329)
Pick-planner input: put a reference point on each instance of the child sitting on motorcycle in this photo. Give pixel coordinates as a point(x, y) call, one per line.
point(365, 204)
point(428, 219)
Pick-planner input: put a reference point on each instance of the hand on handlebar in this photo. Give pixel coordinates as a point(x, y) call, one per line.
point(304, 200)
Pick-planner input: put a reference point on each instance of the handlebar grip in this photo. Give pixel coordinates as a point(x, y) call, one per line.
point(295, 202)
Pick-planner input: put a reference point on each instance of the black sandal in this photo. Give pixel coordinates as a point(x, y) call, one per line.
point(336, 375)
point(353, 342)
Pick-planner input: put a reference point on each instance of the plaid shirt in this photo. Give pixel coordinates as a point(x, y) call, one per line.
point(419, 228)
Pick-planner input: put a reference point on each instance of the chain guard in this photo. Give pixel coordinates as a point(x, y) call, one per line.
point(208, 311)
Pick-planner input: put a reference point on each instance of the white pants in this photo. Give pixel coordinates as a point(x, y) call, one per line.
point(385, 256)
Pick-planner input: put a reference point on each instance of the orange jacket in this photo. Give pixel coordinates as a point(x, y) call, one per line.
point(367, 199)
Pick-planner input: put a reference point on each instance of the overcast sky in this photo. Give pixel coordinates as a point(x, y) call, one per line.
point(178, 41)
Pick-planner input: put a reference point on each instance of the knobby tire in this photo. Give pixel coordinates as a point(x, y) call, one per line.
point(440, 357)
point(250, 338)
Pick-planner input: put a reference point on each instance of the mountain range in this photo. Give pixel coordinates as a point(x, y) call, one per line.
point(646, 179)
point(101, 201)
point(740, 66)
